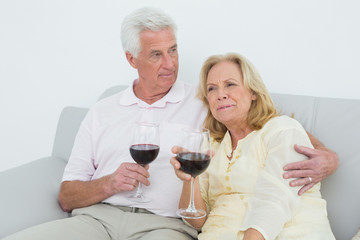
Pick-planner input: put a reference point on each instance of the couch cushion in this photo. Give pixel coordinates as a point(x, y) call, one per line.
point(31, 194)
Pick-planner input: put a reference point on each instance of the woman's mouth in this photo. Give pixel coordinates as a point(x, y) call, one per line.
point(224, 107)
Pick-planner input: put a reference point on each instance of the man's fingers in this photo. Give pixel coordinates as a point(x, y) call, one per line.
point(133, 167)
point(298, 174)
point(298, 182)
point(305, 164)
point(135, 177)
point(304, 150)
point(133, 173)
point(305, 188)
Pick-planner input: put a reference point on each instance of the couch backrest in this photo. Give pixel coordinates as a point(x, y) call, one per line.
point(69, 123)
point(68, 126)
point(333, 121)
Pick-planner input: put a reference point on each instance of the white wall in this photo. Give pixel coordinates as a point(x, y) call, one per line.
point(66, 52)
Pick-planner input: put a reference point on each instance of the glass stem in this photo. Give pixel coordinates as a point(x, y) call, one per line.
point(191, 207)
point(139, 190)
point(138, 193)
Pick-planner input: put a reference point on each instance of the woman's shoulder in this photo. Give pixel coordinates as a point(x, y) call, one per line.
point(284, 128)
point(280, 124)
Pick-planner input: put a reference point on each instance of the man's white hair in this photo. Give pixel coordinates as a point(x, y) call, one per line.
point(146, 18)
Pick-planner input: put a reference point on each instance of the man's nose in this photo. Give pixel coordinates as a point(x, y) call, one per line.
point(168, 62)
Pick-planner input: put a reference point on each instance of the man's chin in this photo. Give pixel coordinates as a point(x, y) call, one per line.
point(168, 81)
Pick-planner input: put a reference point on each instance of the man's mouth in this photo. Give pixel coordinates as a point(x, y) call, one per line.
point(166, 75)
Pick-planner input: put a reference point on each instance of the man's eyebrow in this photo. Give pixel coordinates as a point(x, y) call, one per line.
point(154, 51)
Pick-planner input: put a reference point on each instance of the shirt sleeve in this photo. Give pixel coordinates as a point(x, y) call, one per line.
point(81, 162)
point(274, 201)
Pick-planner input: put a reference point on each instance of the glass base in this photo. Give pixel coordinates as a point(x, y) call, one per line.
point(190, 213)
point(139, 198)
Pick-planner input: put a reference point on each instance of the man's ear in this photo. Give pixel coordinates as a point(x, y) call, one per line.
point(130, 58)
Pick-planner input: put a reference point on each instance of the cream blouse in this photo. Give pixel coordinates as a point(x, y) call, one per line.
point(249, 191)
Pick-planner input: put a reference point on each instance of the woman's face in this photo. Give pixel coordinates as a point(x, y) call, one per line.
point(228, 99)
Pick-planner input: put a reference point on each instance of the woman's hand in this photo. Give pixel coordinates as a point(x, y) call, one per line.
point(175, 163)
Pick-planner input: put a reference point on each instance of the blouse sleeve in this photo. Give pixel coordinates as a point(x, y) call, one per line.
point(275, 202)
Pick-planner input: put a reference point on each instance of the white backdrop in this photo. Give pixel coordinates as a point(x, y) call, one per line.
point(66, 52)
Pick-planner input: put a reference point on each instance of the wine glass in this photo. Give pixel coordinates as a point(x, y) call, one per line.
point(144, 148)
point(194, 157)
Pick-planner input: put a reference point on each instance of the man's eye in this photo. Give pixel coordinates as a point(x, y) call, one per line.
point(173, 51)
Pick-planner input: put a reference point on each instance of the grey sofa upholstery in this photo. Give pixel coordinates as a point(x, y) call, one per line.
point(29, 192)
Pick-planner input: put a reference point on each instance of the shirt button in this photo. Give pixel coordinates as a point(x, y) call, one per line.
point(227, 178)
point(228, 188)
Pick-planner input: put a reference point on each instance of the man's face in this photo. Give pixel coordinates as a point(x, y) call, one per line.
point(157, 62)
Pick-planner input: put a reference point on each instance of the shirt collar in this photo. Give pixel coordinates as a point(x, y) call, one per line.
point(176, 94)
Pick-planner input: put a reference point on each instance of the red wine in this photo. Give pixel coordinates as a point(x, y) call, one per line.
point(144, 153)
point(193, 163)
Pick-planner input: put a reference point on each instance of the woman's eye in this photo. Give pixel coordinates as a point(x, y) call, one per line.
point(210, 89)
point(230, 84)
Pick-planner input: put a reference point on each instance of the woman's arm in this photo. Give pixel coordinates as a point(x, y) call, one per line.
point(321, 163)
point(274, 203)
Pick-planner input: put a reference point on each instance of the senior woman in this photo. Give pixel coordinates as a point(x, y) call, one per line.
point(243, 190)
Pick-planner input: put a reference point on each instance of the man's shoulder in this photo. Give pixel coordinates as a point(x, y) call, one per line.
point(109, 101)
point(190, 89)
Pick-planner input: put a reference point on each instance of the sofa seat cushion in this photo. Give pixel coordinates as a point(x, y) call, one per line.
point(31, 194)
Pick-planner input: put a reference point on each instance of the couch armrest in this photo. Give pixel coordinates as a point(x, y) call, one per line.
point(29, 194)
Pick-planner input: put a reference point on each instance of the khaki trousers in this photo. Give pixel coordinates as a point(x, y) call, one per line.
point(105, 222)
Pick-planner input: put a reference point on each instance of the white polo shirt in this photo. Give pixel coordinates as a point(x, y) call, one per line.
point(103, 141)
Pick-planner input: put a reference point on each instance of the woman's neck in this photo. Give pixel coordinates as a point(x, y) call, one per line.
point(238, 134)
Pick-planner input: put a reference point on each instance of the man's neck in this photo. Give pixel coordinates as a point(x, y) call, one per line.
point(149, 96)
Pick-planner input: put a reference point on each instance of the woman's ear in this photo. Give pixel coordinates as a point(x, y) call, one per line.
point(253, 96)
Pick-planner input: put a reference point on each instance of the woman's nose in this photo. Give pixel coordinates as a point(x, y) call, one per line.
point(222, 95)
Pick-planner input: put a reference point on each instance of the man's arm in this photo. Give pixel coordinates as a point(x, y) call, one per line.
point(76, 194)
point(322, 163)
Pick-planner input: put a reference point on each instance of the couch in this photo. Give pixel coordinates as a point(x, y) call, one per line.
point(29, 193)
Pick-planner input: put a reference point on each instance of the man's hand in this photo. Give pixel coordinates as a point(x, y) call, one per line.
point(127, 177)
point(77, 194)
point(321, 164)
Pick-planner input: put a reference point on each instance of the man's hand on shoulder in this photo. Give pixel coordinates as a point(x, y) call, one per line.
point(321, 164)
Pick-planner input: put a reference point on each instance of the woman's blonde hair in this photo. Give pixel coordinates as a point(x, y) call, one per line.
point(261, 110)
